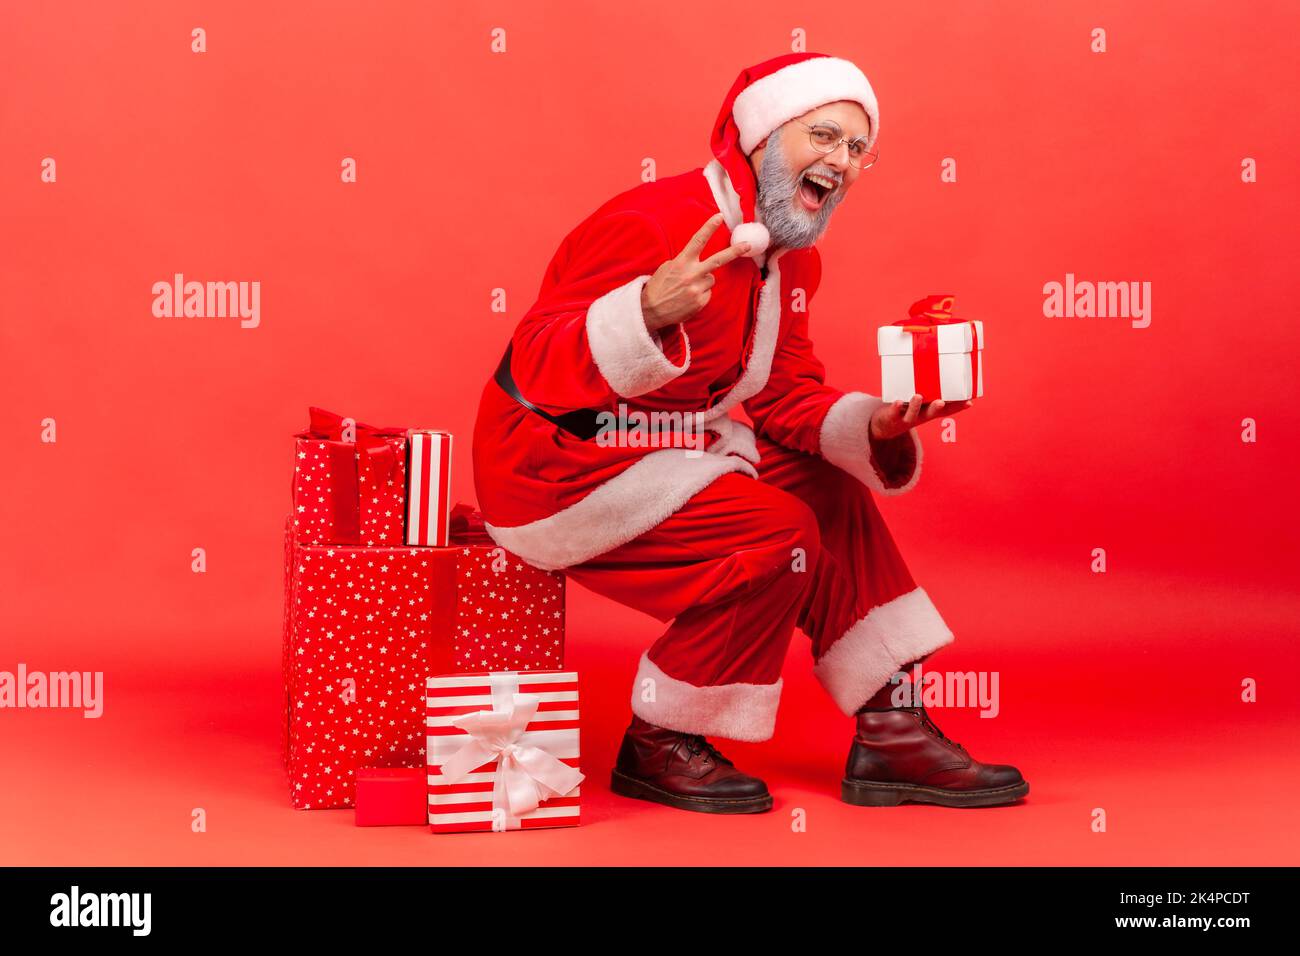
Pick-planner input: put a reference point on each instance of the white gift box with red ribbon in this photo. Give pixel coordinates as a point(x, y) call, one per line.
point(502, 751)
point(428, 501)
point(941, 362)
point(931, 353)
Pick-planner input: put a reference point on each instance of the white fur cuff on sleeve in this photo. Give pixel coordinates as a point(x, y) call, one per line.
point(846, 442)
point(631, 360)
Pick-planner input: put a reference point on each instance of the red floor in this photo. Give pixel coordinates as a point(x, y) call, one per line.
point(1141, 720)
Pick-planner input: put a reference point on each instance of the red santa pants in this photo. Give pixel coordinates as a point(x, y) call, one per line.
point(741, 565)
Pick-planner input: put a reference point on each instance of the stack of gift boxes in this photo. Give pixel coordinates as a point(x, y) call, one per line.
point(423, 664)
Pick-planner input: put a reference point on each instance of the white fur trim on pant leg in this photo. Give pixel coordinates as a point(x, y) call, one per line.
point(846, 442)
point(879, 645)
point(734, 711)
point(629, 358)
point(628, 505)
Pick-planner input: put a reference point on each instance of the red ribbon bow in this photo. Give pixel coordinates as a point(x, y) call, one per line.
point(924, 318)
point(370, 454)
point(465, 526)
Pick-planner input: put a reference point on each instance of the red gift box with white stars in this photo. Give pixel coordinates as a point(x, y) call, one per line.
point(509, 614)
point(365, 627)
point(287, 631)
point(345, 493)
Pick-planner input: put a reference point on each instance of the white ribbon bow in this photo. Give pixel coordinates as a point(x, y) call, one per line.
point(525, 775)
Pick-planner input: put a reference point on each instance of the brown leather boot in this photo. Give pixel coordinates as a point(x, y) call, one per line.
point(684, 771)
point(900, 755)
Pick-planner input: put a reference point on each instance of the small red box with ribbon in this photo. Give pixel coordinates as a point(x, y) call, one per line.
point(503, 751)
point(349, 482)
point(932, 353)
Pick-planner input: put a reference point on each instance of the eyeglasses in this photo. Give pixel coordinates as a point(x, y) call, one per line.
point(826, 138)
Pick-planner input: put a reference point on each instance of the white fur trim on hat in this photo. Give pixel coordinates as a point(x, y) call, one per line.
point(734, 711)
point(632, 361)
point(846, 442)
point(890, 637)
point(794, 90)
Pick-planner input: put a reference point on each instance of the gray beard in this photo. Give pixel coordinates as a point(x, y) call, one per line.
point(789, 224)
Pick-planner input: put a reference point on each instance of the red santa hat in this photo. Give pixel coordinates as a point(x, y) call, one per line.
point(766, 96)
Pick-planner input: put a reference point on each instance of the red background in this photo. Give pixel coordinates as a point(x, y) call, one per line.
point(1119, 690)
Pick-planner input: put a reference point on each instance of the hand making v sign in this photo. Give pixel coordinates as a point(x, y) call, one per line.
point(680, 287)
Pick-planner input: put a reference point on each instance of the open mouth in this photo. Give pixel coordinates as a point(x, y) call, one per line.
point(813, 190)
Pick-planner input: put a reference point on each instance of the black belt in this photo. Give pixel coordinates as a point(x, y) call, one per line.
point(582, 423)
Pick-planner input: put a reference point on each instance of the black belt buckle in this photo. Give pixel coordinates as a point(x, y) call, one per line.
point(584, 423)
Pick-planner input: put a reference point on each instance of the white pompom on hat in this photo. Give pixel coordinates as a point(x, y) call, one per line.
point(766, 96)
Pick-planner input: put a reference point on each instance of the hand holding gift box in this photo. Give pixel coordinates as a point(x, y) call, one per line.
point(931, 353)
point(503, 751)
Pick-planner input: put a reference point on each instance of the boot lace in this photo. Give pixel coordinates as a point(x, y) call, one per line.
point(697, 745)
point(928, 722)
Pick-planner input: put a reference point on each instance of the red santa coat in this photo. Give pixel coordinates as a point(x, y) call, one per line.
point(557, 500)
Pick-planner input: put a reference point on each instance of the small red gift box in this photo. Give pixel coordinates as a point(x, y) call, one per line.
point(503, 751)
point(392, 796)
point(349, 482)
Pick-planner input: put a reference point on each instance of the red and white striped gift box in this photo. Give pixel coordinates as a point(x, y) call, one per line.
point(478, 799)
point(428, 502)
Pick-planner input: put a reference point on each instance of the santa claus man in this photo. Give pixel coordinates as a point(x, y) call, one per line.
point(651, 311)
